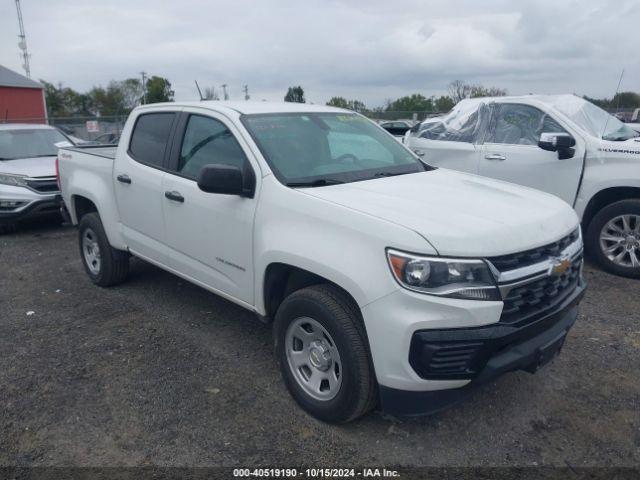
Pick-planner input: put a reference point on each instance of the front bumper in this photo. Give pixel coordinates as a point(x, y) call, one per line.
point(32, 204)
point(498, 349)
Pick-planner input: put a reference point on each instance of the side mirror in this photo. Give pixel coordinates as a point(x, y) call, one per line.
point(224, 179)
point(562, 143)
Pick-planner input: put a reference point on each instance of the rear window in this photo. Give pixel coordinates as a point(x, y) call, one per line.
point(150, 137)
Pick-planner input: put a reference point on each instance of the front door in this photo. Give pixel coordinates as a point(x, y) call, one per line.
point(511, 152)
point(210, 236)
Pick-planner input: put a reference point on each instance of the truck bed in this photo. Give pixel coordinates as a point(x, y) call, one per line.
point(107, 151)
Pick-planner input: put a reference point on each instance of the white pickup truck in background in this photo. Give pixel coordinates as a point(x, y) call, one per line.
point(560, 144)
point(388, 281)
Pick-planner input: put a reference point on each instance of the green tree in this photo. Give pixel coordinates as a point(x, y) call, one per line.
point(131, 93)
point(341, 102)
point(443, 103)
point(411, 103)
point(64, 101)
point(626, 100)
point(109, 101)
point(158, 89)
point(295, 94)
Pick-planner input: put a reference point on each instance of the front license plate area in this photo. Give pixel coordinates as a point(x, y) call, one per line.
point(547, 352)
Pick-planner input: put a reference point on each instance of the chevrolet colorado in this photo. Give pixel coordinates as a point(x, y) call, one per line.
point(387, 280)
point(560, 144)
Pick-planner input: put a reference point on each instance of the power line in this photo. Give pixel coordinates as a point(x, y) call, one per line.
point(22, 44)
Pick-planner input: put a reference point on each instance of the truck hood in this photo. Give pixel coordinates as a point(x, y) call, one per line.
point(459, 214)
point(31, 167)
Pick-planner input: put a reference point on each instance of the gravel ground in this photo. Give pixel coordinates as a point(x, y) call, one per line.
point(160, 372)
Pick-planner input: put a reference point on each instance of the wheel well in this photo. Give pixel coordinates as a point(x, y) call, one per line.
point(282, 279)
point(606, 197)
point(82, 206)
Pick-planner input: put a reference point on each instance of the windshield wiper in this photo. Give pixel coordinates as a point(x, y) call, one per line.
point(320, 182)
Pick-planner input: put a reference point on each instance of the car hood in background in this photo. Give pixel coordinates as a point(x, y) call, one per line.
point(31, 167)
point(460, 214)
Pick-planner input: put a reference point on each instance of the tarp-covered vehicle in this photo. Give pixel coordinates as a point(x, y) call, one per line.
point(561, 144)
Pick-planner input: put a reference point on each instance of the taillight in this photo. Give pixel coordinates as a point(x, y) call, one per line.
point(58, 174)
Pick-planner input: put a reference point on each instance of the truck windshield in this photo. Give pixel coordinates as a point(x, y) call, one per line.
point(593, 119)
point(319, 149)
point(29, 143)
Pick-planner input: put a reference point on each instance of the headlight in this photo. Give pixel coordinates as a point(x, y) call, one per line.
point(14, 180)
point(445, 277)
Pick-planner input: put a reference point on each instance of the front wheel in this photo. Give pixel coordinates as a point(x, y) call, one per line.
point(323, 354)
point(104, 264)
point(613, 238)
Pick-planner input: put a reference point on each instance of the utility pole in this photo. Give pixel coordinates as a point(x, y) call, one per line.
point(224, 90)
point(246, 92)
point(144, 87)
point(22, 44)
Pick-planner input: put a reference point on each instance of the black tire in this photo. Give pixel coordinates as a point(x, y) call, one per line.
point(623, 207)
point(340, 316)
point(114, 264)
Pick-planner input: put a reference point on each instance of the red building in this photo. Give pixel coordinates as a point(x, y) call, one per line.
point(21, 99)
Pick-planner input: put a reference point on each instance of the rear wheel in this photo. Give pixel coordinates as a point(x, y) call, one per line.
point(323, 353)
point(613, 238)
point(104, 264)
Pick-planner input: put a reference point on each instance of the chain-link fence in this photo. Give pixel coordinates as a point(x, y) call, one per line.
point(411, 116)
point(83, 129)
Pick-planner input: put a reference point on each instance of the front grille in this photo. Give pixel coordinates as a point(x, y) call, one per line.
point(443, 360)
point(43, 184)
point(528, 302)
point(535, 255)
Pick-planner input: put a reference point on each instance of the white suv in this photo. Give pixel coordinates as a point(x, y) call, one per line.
point(28, 186)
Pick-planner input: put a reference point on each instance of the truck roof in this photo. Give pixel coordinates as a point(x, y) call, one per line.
point(252, 107)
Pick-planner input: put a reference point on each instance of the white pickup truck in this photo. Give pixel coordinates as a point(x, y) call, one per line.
point(388, 281)
point(560, 144)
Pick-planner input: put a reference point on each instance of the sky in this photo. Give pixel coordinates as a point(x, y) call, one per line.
point(370, 50)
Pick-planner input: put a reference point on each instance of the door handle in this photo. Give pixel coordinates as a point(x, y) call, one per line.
point(495, 156)
point(124, 179)
point(419, 153)
point(175, 196)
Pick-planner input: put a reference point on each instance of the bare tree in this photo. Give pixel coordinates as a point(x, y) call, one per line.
point(459, 90)
point(480, 91)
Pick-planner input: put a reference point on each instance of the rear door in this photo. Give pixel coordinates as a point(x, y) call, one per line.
point(454, 141)
point(138, 176)
point(511, 151)
point(209, 235)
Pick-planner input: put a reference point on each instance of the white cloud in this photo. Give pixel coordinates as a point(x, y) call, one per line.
point(371, 50)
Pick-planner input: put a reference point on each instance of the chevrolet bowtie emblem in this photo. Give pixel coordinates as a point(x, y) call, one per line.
point(559, 266)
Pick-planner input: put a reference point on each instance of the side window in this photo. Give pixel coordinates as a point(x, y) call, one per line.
point(208, 141)
point(463, 124)
point(521, 125)
point(150, 137)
